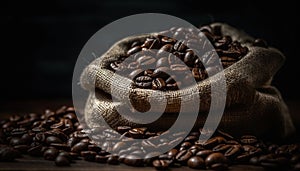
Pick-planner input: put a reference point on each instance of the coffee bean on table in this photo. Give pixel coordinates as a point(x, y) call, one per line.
point(50, 154)
point(215, 158)
point(196, 162)
point(113, 160)
point(133, 160)
point(160, 164)
point(62, 161)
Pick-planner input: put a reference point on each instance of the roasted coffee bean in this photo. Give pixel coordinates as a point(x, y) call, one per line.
point(161, 72)
point(214, 141)
point(50, 154)
point(135, 73)
point(146, 60)
point(183, 156)
point(158, 84)
point(113, 160)
point(101, 158)
point(137, 133)
point(7, 153)
point(88, 155)
point(60, 146)
point(165, 49)
point(180, 46)
point(123, 129)
point(260, 43)
point(221, 148)
point(204, 153)
point(179, 67)
point(148, 159)
point(143, 81)
point(160, 164)
point(168, 40)
point(21, 148)
point(215, 158)
point(172, 153)
point(62, 161)
point(134, 50)
point(119, 146)
point(81, 146)
point(196, 162)
point(162, 62)
point(53, 139)
point(35, 151)
point(133, 160)
point(248, 139)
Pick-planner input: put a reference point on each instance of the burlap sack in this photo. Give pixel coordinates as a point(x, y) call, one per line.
point(253, 106)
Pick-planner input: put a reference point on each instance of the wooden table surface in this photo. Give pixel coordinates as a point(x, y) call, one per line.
point(28, 163)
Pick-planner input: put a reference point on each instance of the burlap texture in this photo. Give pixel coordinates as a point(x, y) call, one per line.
point(252, 105)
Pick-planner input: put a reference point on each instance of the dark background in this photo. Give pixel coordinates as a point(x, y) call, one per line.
point(41, 40)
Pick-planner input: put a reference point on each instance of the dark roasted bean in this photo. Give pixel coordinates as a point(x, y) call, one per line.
point(183, 156)
point(133, 160)
point(158, 84)
point(134, 50)
point(50, 154)
point(160, 164)
point(260, 43)
point(215, 158)
point(62, 161)
point(196, 162)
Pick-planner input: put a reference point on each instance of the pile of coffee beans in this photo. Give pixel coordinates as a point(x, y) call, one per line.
point(58, 136)
point(149, 63)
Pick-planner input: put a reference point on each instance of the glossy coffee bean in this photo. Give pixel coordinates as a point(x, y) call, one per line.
point(62, 161)
point(160, 164)
point(196, 162)
point(183, 156)
point(50, 154)
point(133, 160)
point(113, 160)
point(215, 158)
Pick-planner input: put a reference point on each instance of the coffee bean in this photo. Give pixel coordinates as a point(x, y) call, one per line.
point(183, 156)
point(214, 141)
point(204, 153)
point(62, 161)
point(7, 153)
point(160, 164)
point(146, 60)
point(196, 162)
point(189, 58)
point(162, 62)
point(158, 84)
point(119, 146)
point(172, 153)
point(180, 46)
point(179, 67)
point(79, 147)
point(53, 139)
point(60, 146)
point(50, 154)
point(143, 81)
point(88, 155)
point(35, 151)
point(133, 160)
point(101, 159)
point(113, 160)
point(134, 50)
point(248, 139)
point(215, 158)
point(123, 129)
point(161, 72)
point(260, 43)
point(168, 40)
